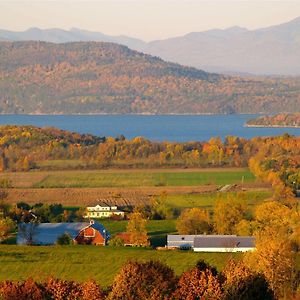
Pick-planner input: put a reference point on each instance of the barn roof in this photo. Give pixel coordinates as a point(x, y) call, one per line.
point(47, 233)
point(191, 237)
point(224, 241)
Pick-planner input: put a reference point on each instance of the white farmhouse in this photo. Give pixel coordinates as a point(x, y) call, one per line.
point(101, 209)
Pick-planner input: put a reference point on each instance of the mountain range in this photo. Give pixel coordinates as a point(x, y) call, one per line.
point(97, 77)
point(268, 51)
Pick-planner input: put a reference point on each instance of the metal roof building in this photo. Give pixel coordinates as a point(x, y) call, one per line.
point(48, 233)
point(224, 243)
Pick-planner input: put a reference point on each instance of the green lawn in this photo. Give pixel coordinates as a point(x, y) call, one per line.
point(143, 178)
point(85, 262)
point(208, 200)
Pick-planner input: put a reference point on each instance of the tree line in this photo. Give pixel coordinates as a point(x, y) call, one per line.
point(274, 159)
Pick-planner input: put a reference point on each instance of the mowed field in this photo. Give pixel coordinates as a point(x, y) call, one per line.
point(82, 263)
point(128, 178)
point(123, 187)
point(90, 262)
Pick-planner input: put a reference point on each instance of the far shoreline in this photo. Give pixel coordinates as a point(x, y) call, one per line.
point(270, 126)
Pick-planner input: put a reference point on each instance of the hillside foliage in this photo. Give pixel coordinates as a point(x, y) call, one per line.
point(91, 77)
point(280, 120)
point(274, 159)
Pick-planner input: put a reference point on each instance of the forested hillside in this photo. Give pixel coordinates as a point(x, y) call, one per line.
point(90, 77)
point(280, 120)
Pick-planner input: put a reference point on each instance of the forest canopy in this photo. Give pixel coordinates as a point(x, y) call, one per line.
point(90, 77)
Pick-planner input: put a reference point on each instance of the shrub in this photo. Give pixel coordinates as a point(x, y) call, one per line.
point(64, 239)
point(116, 242)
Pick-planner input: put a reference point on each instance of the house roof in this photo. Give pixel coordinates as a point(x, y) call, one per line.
point(112, 211)
point(47, 233)
point(224, 242)
point(104, 203)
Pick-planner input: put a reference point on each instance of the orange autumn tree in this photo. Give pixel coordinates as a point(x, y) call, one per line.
point(150, 280)
point(200, 282)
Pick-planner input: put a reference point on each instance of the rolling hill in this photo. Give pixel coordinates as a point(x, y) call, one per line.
point(268, 51)
point(96, 77)
point(273, 50)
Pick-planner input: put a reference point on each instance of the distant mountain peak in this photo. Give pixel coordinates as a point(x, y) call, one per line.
point(236, 29)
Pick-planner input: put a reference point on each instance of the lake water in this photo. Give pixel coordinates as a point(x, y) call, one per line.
point(158, 127)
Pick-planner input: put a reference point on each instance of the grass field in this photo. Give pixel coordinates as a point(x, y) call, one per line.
point(135, 179)
point(128, 178)
point(90, 262)
point(207, 200)
point(123, 187)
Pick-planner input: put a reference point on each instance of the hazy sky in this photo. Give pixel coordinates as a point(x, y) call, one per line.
point(145, 19)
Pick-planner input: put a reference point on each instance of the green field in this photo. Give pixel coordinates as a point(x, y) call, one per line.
point(208, 200)
point(90, 262)
point(89, 179)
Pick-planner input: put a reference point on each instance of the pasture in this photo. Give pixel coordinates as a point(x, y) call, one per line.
point(81, 263)
point(128, 178)
point(124, 187)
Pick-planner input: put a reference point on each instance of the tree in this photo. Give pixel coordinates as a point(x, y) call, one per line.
point(228, 212)
point(23, 205)
point(193, 221)
point(64, 239)
point(116, 242)
point(240, 283)
point(201, 282)
point(27, 232)
point(6, 227)
point(275, 259)
point(274, 215)
point(90, 290)
point(244, 228)
point(150, 280)
point(160, 210)
point(136, 227)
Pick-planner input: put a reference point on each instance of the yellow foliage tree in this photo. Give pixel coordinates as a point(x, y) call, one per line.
point(275, 258)
point(136, 227)
point(193, 221)
point(228, 212)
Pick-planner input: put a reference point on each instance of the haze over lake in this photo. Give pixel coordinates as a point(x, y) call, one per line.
point(154, 127)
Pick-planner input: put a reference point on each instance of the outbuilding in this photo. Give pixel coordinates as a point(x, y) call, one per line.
point(224, 243)
point(91, 233)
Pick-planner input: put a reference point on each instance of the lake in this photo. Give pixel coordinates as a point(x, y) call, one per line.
point(154, 127)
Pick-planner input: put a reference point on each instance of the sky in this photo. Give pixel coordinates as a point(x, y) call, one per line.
point(145, 19)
